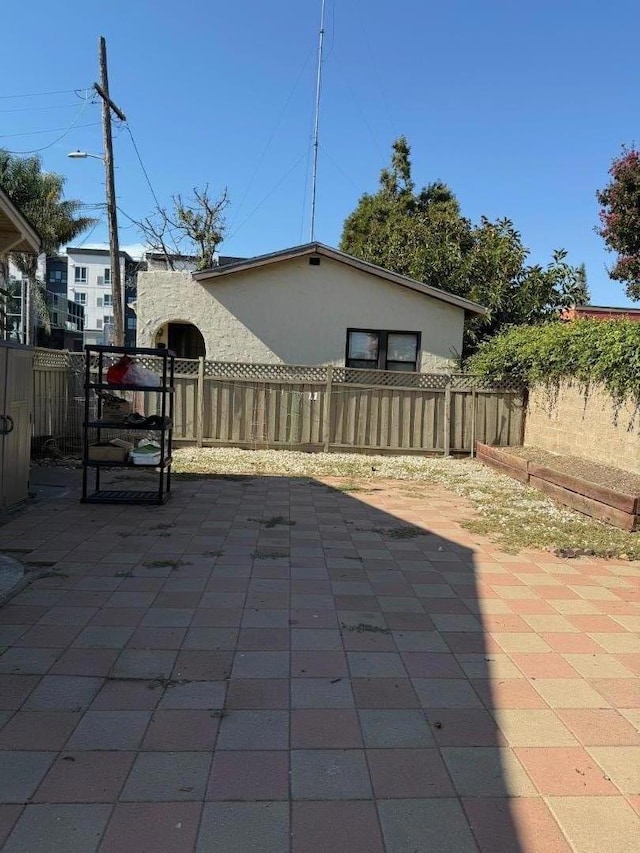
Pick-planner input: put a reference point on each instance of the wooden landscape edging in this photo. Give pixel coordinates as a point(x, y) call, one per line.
point(608, 505)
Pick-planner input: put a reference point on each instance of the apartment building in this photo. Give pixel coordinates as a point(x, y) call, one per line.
point(89, 284)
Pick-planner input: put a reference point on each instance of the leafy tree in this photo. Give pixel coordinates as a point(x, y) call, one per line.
point(195, 226)
point(620, 219)
point(39, 196)
point(424, 235)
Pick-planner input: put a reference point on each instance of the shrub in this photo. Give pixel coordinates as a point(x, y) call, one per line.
point(584, 351)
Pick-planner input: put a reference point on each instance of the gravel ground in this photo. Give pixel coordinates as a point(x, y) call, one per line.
point(594, 472)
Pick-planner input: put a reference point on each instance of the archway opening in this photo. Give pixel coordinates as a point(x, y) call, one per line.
point(184, 339)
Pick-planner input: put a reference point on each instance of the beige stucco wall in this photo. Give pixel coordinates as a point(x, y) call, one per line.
point(294, 313)
point(590, 426)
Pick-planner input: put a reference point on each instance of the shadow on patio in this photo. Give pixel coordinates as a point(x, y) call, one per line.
point(263, 664)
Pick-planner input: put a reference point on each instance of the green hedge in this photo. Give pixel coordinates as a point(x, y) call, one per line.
point(584, 351)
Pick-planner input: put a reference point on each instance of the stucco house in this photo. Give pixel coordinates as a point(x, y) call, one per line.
point(310, 305)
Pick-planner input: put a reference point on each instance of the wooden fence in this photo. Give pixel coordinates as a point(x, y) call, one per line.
point(303, 408)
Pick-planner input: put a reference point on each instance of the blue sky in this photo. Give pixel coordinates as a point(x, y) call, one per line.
point(519, 107)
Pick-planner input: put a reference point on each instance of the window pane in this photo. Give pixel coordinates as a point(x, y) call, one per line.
point(362, 364)
point(363, 345)
point(401, 347)
point(401, 366)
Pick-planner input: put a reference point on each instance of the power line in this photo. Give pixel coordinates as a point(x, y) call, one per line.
point(142, 166)
point(68, 130)
point(270, 193)
point(40, 109)
point(272, 136)
point(40, 94)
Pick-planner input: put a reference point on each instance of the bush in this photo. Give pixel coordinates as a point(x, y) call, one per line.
point(584, 351)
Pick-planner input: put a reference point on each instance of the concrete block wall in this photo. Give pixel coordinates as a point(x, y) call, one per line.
point(590, 426)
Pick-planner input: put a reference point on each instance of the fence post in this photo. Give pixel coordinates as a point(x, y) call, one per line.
point(327, 409)
point(447, 418)
point(474, 410)
point(200, 403)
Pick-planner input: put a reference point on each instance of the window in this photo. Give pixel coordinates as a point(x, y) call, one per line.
point(374, 349)
point(107, 300)
point(98, 301)
point(98, 324)
point(131, 323)
point(80, 298)
point(80, 275)
point(107, 275)
point(107, 319)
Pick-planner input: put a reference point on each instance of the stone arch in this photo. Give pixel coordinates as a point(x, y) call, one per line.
point(183, 337)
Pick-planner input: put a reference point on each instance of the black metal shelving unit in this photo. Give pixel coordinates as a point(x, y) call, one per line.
point(95, 426)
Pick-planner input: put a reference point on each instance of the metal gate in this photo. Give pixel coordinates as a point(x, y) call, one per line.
point(16, 394)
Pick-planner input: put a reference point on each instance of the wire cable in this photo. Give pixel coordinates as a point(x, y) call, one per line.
point(272, 136)
point(270, 193)
point(66, 132)
point(41, 94)
point(142, 166)
point(40, 109)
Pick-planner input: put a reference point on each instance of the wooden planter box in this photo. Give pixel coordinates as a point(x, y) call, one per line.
point(615, 508)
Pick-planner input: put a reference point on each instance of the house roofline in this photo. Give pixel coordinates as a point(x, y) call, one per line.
point(342, 257)
point(21, 223)
point(102, 252)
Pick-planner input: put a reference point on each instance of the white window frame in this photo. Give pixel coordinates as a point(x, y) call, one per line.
point(80, 275)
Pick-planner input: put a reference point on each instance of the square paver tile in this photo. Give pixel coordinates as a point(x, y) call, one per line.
point(338, 826)
point(321, 693)
point(73, 828)
point(325, 729)
point(151, 827)
point(408, 773)
point(167, 617)
point(257, 693)
point(85, 777)
point(263, 639)
point(621, 764)
point(128, 695)
point(596, 824)
point(254, 730)
point(503, 825)
point(384, 693)
point(203, 666)
point(487, 772)
point(533, 728)
point(28, 661)
point(464, 727)
point(156, 638)
point(569, 693)
point(564, 772)
point(319, 664)
point(195, 694)
point(316, 639)
point(599, 666)
point(38, 730)
point(601, 727)
point(247, 775)
point(376, 665)
point(14, 689)
point(21, 773)
point(261, 665)
point(167, 777)
point(244, 828)
point(393, 729)
point(181, 731)
point(9, 814)
point(421, 641)
point(321, 774)
point(211, 639)
point(144, 663)
point(425, 825)
point(103, 637)
point(63, 693)
point(110, 730)
point(445, 693)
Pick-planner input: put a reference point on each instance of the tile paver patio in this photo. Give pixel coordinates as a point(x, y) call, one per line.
point(316, 686)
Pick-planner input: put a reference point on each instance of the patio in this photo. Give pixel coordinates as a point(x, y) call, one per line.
point(275, 665)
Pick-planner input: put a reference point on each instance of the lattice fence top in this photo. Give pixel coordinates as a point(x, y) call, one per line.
point(240, 371)
point(265, 372)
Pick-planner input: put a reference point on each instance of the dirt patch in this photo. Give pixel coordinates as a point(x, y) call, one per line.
point(594, 472)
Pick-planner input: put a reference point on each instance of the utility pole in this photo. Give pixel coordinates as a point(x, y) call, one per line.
point(316, 129)
point(108, 105)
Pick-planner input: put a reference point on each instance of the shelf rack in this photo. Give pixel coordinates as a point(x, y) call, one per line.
point(97, 361)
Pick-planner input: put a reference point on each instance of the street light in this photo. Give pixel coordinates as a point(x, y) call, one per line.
point(114, 249)
point(82, 155)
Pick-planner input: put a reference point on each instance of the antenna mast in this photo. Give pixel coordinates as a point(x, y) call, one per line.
point(316, 132)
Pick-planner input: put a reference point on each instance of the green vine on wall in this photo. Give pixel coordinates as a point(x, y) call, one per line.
point(582, 351)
